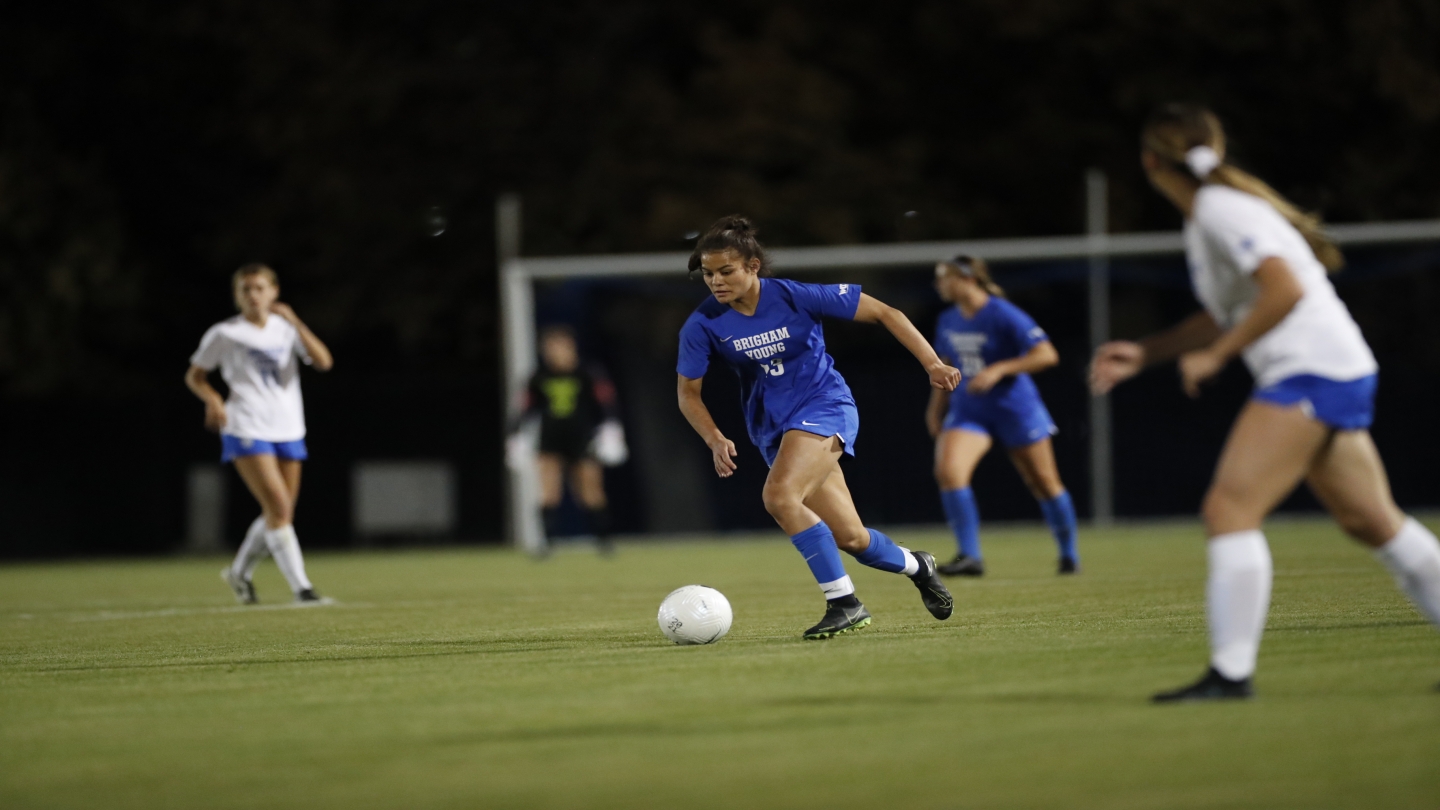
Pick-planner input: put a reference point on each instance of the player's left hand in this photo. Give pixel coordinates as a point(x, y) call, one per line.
point(1197, 368)
point(944, 377)
point(284, 311)
point(982, 383)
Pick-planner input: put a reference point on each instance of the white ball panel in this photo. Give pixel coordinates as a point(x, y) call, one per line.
point(695, 614)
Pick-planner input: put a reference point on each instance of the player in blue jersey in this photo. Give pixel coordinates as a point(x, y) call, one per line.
point(798, 409)
point(996, 345)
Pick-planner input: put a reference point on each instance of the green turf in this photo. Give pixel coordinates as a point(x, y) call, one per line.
point(482, 679)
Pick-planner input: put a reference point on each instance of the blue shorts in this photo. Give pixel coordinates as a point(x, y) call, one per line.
point(825, 419)
point(1348, 405)
point(1013, 424)
point(233, 447)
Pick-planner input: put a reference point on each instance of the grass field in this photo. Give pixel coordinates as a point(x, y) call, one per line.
point(470, 679)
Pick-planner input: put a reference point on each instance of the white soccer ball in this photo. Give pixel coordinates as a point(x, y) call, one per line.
point(695, 614)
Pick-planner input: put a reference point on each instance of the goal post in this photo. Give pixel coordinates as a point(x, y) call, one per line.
point(519, 273)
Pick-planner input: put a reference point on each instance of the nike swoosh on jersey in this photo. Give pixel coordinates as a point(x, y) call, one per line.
point(809, 424)
point(726, 338)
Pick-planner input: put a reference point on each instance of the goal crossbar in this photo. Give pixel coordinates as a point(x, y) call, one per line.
point(921, 253)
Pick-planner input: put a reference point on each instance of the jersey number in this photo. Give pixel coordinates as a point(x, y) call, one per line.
point(774, 368)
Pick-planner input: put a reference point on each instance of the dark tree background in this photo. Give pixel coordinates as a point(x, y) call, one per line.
point(147, 149)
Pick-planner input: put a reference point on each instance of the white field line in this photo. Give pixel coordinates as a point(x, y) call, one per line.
point(112, 615)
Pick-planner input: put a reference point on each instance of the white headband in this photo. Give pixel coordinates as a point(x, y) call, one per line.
point(1202, 160)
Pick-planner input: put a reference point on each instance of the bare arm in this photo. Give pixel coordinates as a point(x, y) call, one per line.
point(1195, 332)
point(935, 411)
point(871, 310)
point(722, 450)
point(1277, 294)
point(1040, 357)
point(320, 357)
point(197, 380)
point(1119, 360)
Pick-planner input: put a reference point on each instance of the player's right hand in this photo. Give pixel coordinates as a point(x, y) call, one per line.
point(944, 376)
point(215, 418)
point(1114, 363)
point(722, 451)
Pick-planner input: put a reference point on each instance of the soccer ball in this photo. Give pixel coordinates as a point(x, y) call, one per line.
point(695, 614)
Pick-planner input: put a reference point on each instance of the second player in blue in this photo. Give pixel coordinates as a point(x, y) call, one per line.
point(996, 345)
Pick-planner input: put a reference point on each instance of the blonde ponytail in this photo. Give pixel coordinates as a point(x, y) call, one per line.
point(1306, 222)
point(1176, 131)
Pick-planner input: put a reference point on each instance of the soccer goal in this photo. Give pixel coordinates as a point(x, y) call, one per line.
point(1097, 249)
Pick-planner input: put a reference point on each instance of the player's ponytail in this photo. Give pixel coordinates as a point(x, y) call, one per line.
point(1191, 138)
point(731, 233)
point(974, 267)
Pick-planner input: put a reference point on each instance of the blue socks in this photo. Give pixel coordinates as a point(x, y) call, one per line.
point(1059, 512)
point(884, 555)
point(964, 519)
point(817, 545)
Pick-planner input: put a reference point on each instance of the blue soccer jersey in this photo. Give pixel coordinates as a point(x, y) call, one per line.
point(1011, 411)
point(999, 331)
point(787, 379)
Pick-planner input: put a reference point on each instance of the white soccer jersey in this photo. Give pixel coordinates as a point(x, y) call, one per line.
point(1227, 237)
point(262, 368)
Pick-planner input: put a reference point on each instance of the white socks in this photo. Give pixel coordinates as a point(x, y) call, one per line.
point(252, 552)
point(1237, 597)
point(1413, 557)
point(1237, 594)
point(838, 588)
point(285, 548)
point(912, 565)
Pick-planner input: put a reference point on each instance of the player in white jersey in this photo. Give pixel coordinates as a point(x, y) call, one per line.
point(262, 423)
point(1258, 266)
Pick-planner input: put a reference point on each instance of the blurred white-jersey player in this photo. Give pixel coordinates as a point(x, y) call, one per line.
point(262, 422)
point(1258, 266)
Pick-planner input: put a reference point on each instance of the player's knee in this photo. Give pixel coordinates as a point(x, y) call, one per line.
point(949, 478)
point(1371, 527)
point(1216, 510)
point(780, 500)
point(1048, 487)
point(284, 515)
point(1223, 512)
point(281, 508)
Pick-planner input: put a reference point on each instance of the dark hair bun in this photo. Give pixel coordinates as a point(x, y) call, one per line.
point(735, 222)
point(733, 232)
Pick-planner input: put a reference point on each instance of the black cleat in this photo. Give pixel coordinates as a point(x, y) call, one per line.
point(1213, 686)
point(1068, 566)
point(839, 619)
point(963, 566)
point(309, 596)
point(242, 588)
point(933, 592)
